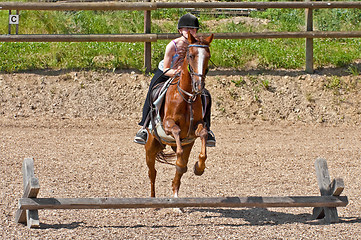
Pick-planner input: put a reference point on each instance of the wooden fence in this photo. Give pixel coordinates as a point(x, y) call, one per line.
point(147, 6)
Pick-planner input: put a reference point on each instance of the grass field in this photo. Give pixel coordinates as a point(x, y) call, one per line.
point(262, 53)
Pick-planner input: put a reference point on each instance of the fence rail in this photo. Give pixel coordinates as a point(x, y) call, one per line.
point(151, 37)
point(141, 6)
point(147, 6)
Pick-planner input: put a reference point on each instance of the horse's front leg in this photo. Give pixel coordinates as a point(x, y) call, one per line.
point(178, 175)
point(199, 166)
point(170, 127)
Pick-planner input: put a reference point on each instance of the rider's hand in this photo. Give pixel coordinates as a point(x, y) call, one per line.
point(177, 70)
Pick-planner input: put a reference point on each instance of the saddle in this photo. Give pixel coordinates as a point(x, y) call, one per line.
point(156, 125)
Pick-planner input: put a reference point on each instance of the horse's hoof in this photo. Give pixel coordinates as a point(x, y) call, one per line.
point(181, 170)
point(196, 171)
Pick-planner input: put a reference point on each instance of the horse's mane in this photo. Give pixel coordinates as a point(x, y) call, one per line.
point(182, 52)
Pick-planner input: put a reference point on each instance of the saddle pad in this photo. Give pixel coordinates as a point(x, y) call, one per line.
point(159, 93)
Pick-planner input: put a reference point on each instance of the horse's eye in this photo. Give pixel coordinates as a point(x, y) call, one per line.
point(191, 57)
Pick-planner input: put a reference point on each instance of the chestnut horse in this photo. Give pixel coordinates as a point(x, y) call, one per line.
point(181, 114)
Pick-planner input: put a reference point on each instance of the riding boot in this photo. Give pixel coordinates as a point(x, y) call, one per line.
point(207, 104)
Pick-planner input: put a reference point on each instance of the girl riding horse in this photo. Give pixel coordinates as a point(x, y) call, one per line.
point(167, 68)
point(181, 116)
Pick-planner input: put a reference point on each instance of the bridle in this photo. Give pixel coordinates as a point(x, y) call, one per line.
point(192, 96)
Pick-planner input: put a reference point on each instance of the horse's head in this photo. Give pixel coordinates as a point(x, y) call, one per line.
point(198, 55)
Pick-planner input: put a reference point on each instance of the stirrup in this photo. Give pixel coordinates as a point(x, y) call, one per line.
point(141, 137)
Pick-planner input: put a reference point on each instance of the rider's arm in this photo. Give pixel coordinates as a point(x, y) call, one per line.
point(168, 56)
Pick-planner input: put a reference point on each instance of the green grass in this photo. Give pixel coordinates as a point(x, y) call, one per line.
point(336, 52)
point(353, 70)
point(266, 53)
point(30, 56)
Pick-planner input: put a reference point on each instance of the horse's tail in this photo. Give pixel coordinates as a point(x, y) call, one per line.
point(163, 157)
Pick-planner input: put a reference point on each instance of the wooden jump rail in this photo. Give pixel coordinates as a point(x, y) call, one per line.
point(324, 205)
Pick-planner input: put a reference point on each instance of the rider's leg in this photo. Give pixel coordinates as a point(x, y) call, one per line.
point(207, 103)
point(142, 135)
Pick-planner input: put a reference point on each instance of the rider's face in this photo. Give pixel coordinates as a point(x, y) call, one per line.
point(184, 31)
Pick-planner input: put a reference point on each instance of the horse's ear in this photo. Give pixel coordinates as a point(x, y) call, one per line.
point(209, 39)
point(191, 39)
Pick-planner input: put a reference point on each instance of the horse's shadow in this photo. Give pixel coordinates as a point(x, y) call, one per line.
point(72, 225)
point(246, 217)
point(264, 216)
point(255, 216)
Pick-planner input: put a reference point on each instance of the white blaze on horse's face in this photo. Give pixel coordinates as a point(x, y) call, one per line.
point(201, 59)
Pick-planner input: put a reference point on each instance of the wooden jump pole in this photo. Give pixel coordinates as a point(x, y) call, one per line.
point(324, 205)
point(231, 202)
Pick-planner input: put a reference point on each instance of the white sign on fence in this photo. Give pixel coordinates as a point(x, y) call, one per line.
point(13, 19)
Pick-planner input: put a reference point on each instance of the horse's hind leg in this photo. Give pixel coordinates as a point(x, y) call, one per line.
point(152, 148)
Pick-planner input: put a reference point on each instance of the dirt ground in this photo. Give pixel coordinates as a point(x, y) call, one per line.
point(270, 127)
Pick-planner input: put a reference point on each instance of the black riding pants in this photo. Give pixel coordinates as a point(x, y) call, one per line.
point(157, 78)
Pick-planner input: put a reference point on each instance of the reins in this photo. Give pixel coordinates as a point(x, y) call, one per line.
point(191, 96)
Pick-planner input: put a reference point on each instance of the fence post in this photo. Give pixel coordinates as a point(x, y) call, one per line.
point(17, 25)
point(147, 45)
point(309, 41)
point(9, 22)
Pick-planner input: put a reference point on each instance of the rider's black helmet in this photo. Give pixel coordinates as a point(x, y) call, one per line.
point(188, 21)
